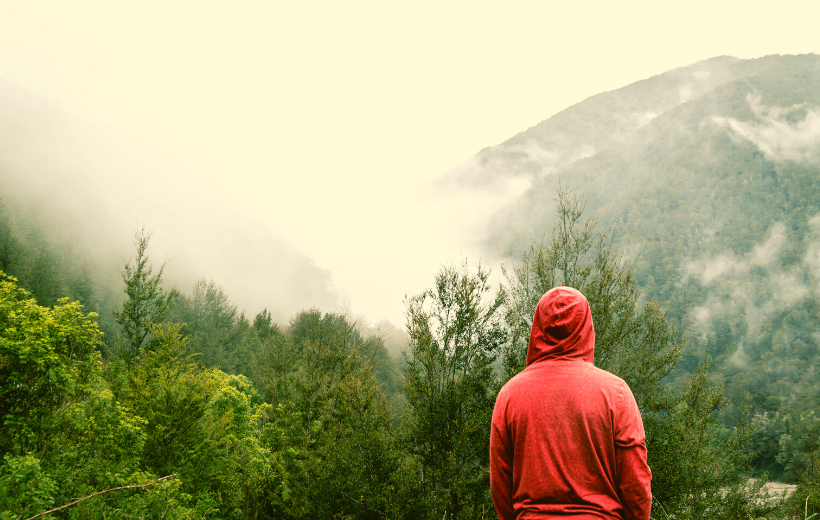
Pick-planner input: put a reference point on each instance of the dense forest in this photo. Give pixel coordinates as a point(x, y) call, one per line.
point(179, 406)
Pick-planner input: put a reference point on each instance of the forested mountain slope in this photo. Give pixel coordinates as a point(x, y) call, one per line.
point(716, 200)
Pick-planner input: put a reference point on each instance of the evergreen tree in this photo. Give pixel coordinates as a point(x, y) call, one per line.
point(146, 302)
point(210, 320)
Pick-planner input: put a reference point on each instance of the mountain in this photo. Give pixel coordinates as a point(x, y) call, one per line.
point(596, 123)
point(709, 178)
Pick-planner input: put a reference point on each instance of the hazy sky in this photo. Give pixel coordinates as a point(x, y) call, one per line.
point(324, 120)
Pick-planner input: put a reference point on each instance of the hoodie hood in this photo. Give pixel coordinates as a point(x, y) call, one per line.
point(562, 327)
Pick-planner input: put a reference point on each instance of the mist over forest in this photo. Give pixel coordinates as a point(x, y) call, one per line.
point(88, 190)
point(223, 358)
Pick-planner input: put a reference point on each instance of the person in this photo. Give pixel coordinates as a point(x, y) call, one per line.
point(567, 439)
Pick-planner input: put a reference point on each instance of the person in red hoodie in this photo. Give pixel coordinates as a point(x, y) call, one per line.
point(567, 438)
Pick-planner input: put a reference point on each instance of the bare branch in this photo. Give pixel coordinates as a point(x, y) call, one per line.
point(92, 495)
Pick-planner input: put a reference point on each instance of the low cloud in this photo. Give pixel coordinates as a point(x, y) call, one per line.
point(701, 317)
point(701, 314)
point(689, 91)
point(780, 133)
point(708, 270)
point(765, 253)
point(739, 356)
point(738, 287)
point(537, 153)
point(702, 75)
point(787, 289)
point(685, 93)
point(642, 118)
point(711, 269)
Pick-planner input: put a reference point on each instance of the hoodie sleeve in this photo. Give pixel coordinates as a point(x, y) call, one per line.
point(634, 475)
point(501, 461)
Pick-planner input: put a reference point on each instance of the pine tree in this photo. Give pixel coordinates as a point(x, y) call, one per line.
point(146, 302)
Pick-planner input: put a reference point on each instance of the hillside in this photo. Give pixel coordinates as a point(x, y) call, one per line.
point(594, 124)
point(715, 199)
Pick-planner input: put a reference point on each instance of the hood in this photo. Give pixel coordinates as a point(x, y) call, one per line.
point(562, 327)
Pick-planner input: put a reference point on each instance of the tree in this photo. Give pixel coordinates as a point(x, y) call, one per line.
point(330, 426)
point(456, 333)
point(62, 432)
point(49, 373)
point(635, 343)
point(10, 248)
point(800, 446)
point(200, 423)
point(47, 357)
point(146, 303)
point(210, 319)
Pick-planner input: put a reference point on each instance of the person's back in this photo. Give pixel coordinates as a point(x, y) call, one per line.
point(567, 437)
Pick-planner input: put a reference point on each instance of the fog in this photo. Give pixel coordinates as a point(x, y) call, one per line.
point(780, 133)
point(754, 286)
point(94, 191)
point(294, 153)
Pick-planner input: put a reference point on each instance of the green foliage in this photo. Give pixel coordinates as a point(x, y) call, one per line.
point(244, 472)
point(146, 303)
point(48, 264)
point(24, 487)
point(171, 392)
point(278, 357)
point(10, 249)
point(63, 433)
point(354, 457)
point(32, 261)
point(330, 431)
point(456, 333)
point(210, 321)
point(800, 446)
point(201, 424)
point(161, 500)
point(690, 460)
point(47, 356)
point(805, 501)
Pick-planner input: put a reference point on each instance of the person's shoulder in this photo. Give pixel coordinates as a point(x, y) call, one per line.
point(604, 374)
point(609, 379)
point(514, 382)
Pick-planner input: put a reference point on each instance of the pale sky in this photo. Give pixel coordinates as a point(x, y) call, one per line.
point(324, 121)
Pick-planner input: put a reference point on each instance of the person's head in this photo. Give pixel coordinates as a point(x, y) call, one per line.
point(562, 327)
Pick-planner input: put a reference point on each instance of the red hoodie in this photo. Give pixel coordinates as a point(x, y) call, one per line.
point(567, 437)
